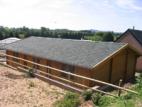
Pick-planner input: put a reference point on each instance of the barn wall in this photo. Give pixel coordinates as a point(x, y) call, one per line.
point(101, 72)
point(121, 66)
point(128, 38)
point(131, 64)
point(54, 64)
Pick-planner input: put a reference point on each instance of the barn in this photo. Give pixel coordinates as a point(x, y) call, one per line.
point(105, 61)
point(134, 39)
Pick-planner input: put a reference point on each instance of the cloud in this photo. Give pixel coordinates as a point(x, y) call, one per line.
point(128, 4)
point(56, 4)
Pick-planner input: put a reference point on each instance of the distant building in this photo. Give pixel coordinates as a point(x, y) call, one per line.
point(5, 42)
point(8, 40)
point(133, 38)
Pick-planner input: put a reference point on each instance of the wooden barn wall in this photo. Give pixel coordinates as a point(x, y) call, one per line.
point(9, 53)
point(101, 72)
point(121, 66)
point(131, 64)
point(118, 66)
point(58, 65)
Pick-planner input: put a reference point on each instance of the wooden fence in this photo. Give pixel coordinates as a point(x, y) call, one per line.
point(22, 67)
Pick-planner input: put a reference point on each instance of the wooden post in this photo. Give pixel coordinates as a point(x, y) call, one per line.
point(119, 90)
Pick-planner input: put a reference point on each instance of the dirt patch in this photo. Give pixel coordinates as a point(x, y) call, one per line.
point(87, 104)
point(18, 90)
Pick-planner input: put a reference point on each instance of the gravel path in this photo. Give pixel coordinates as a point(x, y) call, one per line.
point(18, 90)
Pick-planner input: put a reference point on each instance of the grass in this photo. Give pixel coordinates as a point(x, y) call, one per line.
point(70, 100)
point(125, 100)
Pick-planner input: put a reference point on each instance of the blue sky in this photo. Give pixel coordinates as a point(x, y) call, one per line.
point(112, 15)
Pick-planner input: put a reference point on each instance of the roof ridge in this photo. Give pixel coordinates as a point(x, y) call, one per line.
point(135, 30)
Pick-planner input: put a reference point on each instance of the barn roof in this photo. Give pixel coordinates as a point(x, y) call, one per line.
point(137, 34)
point(74, 52)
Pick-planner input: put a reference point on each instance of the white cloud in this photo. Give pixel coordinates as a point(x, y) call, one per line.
point(19, 3)
point(128, 4)
point(53, 3)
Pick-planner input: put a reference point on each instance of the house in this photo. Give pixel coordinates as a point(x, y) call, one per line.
point(106, 61)
point(134, 39)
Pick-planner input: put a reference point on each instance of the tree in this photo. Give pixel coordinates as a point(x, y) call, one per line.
point(108, 36)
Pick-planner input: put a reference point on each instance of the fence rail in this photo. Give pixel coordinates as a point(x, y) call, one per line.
point(68, 73)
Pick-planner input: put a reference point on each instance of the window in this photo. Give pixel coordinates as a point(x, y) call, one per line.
point(67, 68)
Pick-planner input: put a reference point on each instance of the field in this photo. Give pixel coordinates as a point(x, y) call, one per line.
point(19, 90)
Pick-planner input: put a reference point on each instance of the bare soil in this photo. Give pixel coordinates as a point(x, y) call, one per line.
point(19, 90)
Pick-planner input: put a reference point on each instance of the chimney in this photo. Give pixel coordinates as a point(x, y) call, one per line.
point(133, 27)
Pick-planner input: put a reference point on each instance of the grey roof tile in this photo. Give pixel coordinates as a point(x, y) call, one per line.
point(81, 53)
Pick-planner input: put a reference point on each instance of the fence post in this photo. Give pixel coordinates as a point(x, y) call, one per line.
point(119, 91)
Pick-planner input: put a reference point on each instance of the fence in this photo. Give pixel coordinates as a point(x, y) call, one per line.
point(66, 80)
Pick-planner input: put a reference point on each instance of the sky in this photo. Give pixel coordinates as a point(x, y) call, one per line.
point(105, 15)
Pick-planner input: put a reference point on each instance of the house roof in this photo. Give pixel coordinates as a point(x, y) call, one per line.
point(74, 52)
point(7, 41)
point(137, 34)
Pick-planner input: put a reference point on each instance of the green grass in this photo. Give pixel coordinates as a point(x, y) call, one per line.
point(126, 99)
point(70, 100)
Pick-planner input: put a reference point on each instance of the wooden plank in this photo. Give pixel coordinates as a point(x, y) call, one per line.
point(110, 72)
point(126, 66)
point(94, 80)
point(97, 90)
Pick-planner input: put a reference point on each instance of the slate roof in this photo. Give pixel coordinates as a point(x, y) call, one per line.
point(74, 52)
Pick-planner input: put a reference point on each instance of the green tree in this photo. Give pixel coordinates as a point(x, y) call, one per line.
point(108, 36)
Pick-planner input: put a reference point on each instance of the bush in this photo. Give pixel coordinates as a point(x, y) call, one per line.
point(104, 101)
point(69, 100)
point(31, 73)
point(128, 96)
point(96, 98)
point(87, 95)
point(31, 84)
